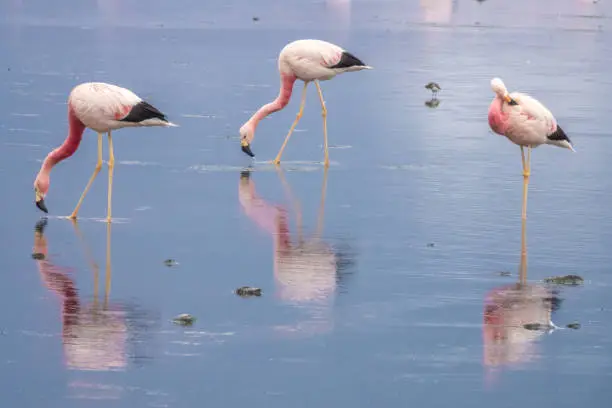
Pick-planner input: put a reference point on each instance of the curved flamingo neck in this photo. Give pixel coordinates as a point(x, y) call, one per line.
point(498, 120)
point(279, 103)
point(70, 145)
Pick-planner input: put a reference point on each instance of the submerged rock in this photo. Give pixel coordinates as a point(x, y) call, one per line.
point(170, 262)
point(569, 280)
point(184, 319)
point(247, 291)
point(537, 326)
point(505, 273)
point(574, 326)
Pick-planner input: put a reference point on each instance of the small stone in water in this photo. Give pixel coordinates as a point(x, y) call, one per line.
point(570, 280)
point(255, 18)
point(430, 245)
point(247, 291)
point(536, 326)
point(504, 273)
point(170, 262)
point(184, 319)
point(38, 256)
point(574, 326)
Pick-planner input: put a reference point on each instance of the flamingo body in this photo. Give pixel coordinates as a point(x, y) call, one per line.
point(310, 60)
point(103, 107)
point(523, 119)
point(306, 60)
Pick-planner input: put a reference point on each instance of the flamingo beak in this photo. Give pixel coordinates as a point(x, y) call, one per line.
point(40, 202)
point(246, 147)
point(507, 98)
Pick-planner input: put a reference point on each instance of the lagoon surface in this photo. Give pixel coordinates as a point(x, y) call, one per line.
point(390, 279)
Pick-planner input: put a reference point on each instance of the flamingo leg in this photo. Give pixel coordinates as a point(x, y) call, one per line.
point(526, 174)
point(297, 119)
point(111, 167)
point(324, 114)
point(73, 216)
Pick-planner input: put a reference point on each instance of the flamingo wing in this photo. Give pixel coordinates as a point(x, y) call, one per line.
point(101, 106)
point(529, 120)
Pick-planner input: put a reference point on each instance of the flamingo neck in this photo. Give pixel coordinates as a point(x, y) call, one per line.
point(279, 103)
point(498, 120)
point(70, 145)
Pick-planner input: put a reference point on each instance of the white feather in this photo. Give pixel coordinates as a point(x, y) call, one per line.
point(100, 106)
point(310, 60)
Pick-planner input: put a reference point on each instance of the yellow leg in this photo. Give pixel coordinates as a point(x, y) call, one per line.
point(111, 166)
point(526, 174)
point(324, 114)
point(297, 119)
point(93, 177)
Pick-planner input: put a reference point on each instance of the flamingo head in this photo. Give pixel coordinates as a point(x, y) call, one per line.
point(41, 187)
point(500, 90)
point(247, 133)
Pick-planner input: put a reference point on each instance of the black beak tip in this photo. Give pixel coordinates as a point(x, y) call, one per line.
point(247, 150)
point(42, 207)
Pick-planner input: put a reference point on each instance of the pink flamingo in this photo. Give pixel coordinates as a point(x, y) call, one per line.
point(525, 122)
point(307, 60)
point(103, 108)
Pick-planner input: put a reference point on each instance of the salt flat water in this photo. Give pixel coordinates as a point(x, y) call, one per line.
point(382, 278)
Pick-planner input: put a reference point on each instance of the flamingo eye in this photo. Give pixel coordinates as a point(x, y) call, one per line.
point(512, 102)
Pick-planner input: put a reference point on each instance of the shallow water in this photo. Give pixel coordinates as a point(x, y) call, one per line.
point(392, 293)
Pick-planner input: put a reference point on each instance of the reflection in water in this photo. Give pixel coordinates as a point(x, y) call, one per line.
point(95, 335)
point(306, 272)
point(438, 11)
point(432, 103)
point(339, 12)
point(507, 309)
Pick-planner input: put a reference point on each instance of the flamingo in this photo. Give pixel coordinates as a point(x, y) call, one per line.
point(103, 108)
point(307, 60)
point(525, 122)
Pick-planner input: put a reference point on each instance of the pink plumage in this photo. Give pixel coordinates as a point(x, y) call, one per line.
point(523, 119)
point(306, 60)
point(101, 107)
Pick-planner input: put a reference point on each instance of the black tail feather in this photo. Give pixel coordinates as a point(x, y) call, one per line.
point(558, 134)
point(143, 111)
point(348, 60)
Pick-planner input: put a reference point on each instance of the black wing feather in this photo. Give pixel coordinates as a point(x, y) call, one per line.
point(348, 60)
point(143, 111)
point(559, 134)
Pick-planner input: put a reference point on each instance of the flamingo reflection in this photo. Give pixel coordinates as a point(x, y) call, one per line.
point(306, 272)
point(94, 335)
point(510, 307)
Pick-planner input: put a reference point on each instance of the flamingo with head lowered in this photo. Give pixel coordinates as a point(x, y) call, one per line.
point(307, 60)
point(525, 122)
point(102, 108)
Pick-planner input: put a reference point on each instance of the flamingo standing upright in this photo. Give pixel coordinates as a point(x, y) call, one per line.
point(525, 122)
point(307, 60)
point(103, 108)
